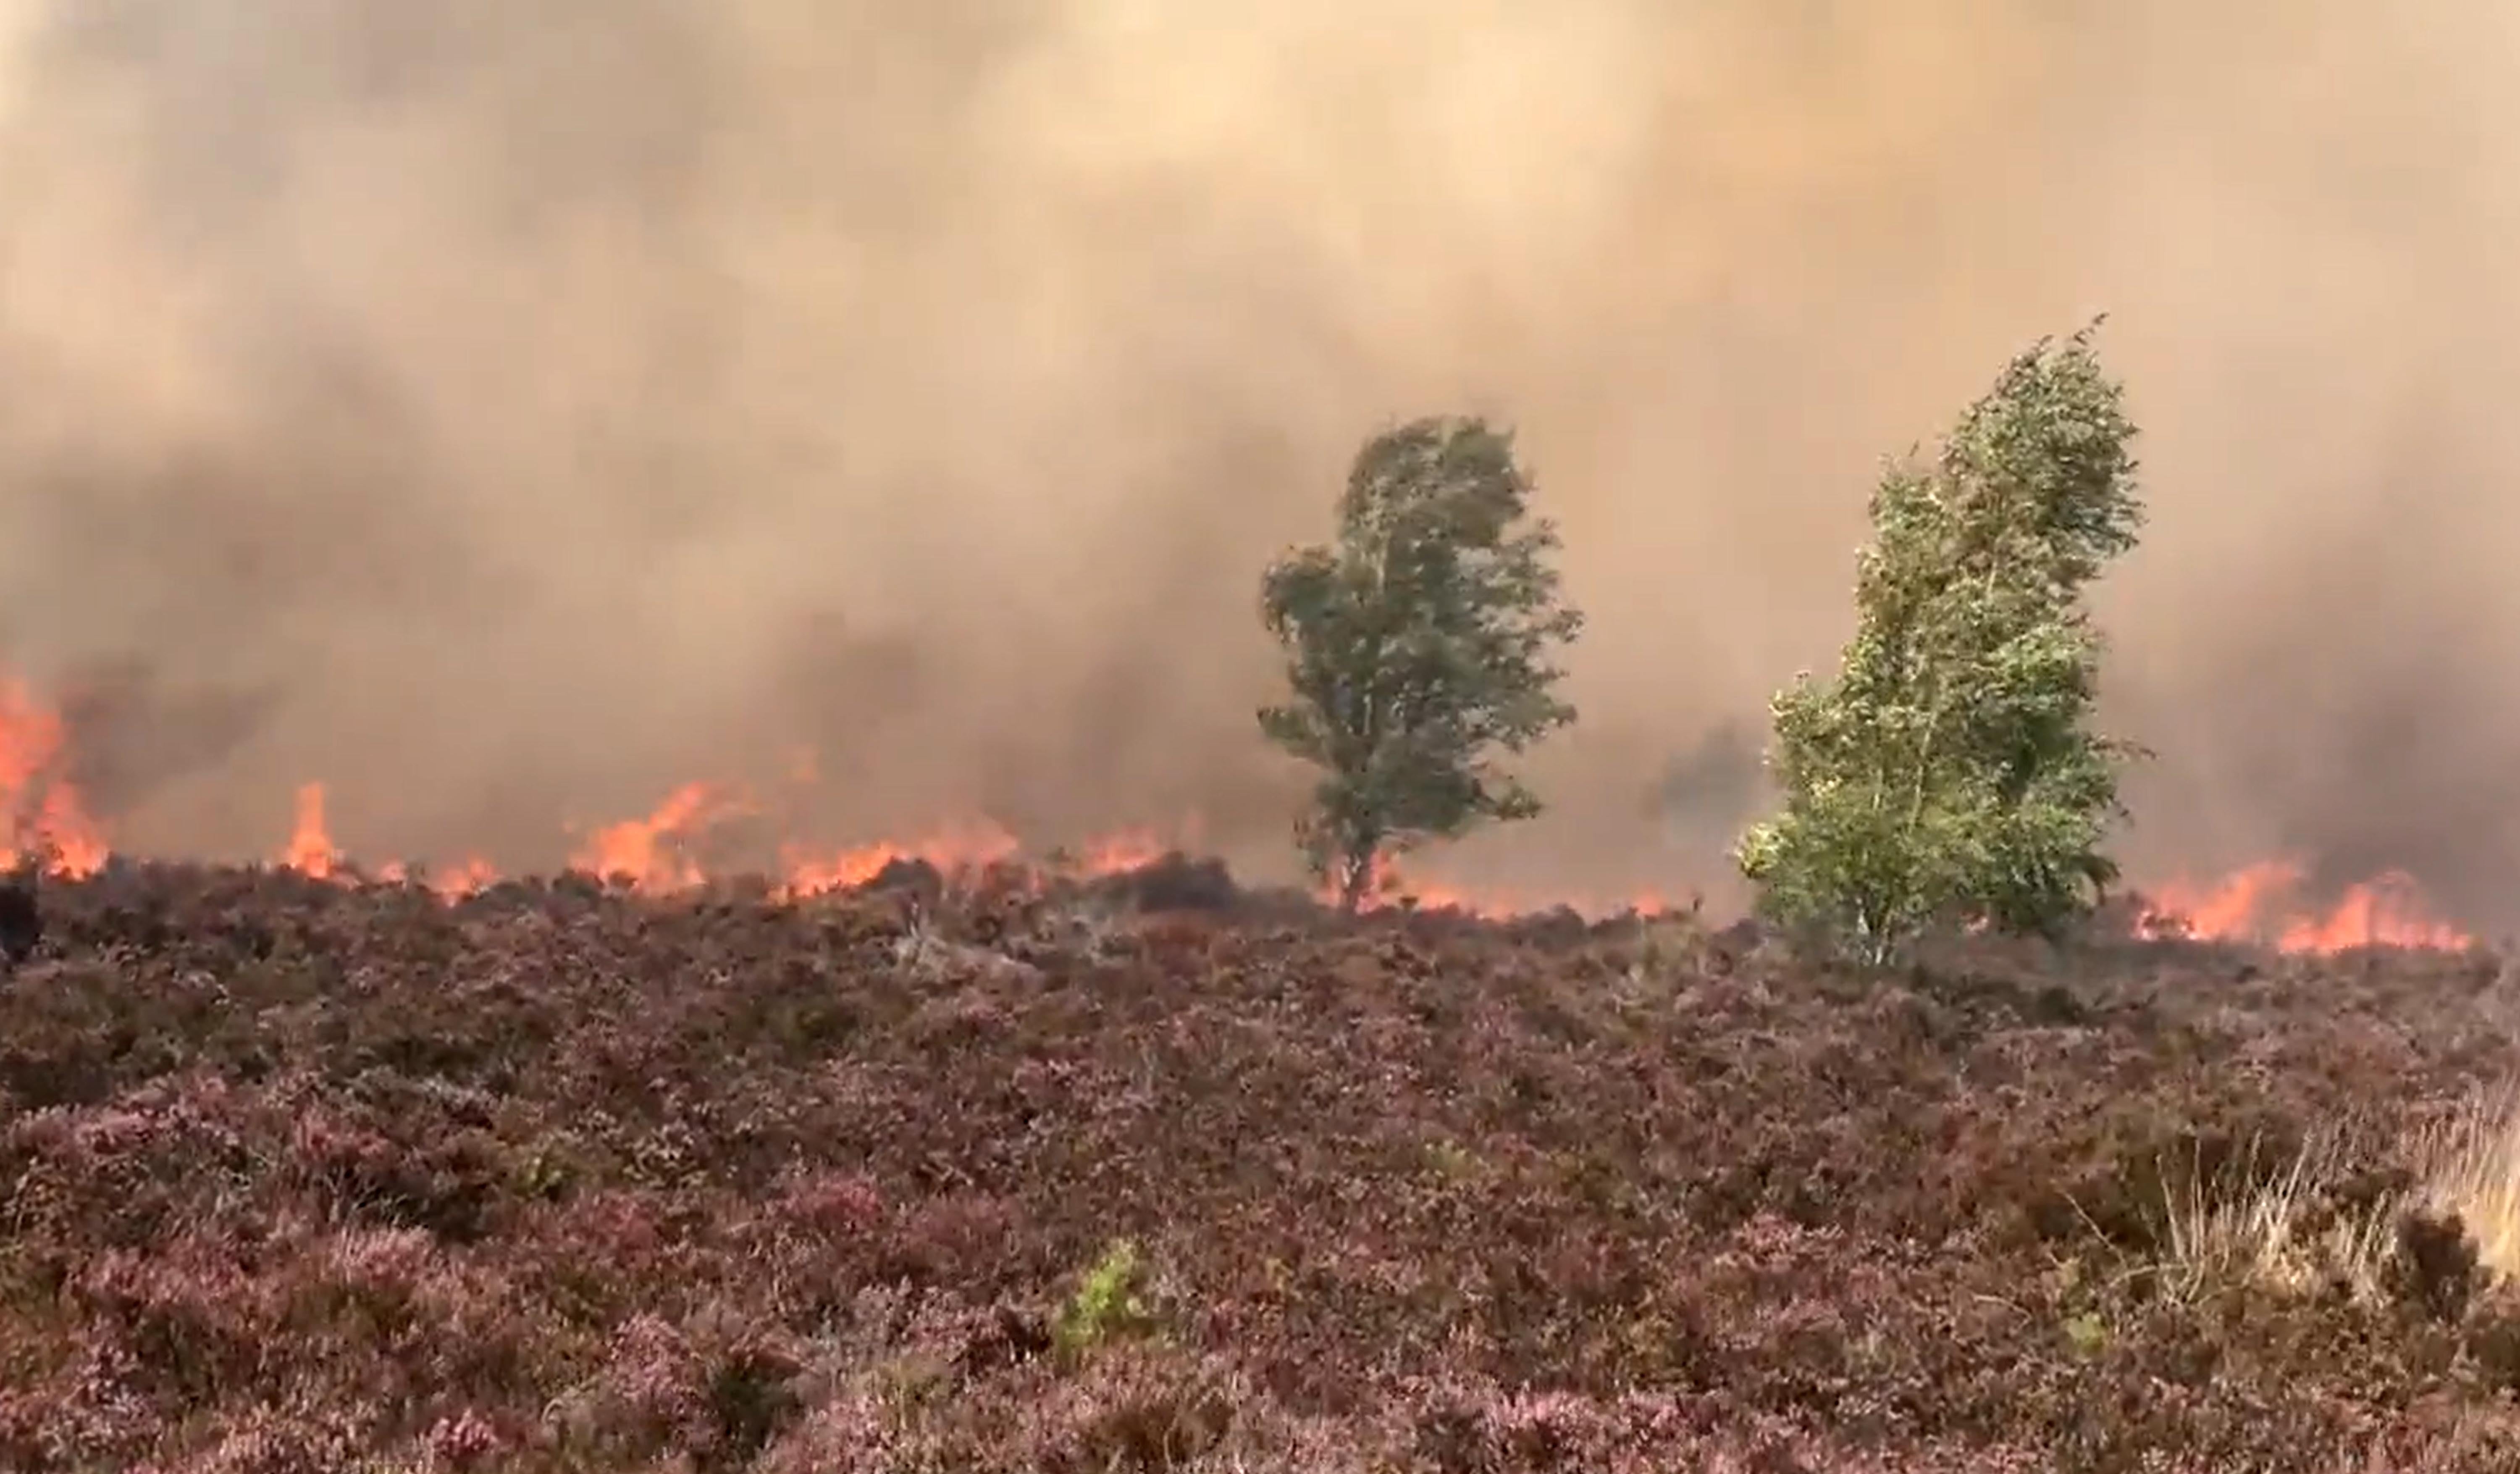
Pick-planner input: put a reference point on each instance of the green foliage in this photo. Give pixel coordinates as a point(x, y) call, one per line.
point(1107, 1302)
point(1418, 647)
point(1948, 773)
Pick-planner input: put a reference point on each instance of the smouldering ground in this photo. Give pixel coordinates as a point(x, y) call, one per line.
point(312, 1178)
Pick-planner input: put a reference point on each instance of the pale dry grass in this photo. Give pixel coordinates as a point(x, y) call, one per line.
point(2472, 1168)
point(2275, 1230)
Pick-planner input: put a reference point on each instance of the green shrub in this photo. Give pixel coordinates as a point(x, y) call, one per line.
point(1948, 773)
point(1107, 1302)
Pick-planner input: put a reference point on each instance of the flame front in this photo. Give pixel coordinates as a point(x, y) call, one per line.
point(652, 852)
point(43, 812)
point(2259, 902)
point(967, 847)
point(1389, 889)
point(466, 878)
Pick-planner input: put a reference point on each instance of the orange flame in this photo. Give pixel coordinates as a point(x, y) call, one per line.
point(2257, 904)
point(651, 850)
point(467, 877)
point(312, 853)
point(310, 849)
point(40, 809)
point(1123, 852)
point(43, 811)
point(1389, 889)
point(967, 847)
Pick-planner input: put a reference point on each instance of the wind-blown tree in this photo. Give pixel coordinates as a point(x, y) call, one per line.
point(1419, 647)
point(1949, 773)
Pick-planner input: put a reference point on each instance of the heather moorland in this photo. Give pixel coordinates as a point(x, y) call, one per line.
point(1148, 1173)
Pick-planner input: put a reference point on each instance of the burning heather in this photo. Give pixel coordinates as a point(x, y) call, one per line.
point(45, 814)
point(659, 853)
point(2261, 903)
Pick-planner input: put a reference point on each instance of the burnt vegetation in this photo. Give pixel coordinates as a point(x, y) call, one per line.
point(1149, 1174)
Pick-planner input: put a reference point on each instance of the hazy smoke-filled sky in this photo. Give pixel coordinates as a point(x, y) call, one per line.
point(504, 412)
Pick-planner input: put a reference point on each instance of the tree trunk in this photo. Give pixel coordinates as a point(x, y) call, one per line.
point(1356, 879)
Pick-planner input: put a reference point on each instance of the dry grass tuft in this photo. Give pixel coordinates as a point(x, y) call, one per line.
point(2283, 1230)
point(2471, 1170)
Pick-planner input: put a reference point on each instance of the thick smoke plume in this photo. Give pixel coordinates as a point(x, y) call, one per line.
point(504, 412)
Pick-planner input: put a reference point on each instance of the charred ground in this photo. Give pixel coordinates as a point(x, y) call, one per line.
point(315, 1177)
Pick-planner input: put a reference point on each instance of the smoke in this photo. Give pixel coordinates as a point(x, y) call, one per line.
point(503, 412)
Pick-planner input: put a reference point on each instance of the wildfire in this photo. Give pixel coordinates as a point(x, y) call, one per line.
point(310, 844)
point(43, 812)
point(312, 852)
point(2261, 903)
point(1130, 850)
point(466, 878)
point(969, 847)
point(1389, 889)
point(647, 850)
point(656, 852)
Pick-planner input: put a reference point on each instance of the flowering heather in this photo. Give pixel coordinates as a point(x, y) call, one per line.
point(307, 1178)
